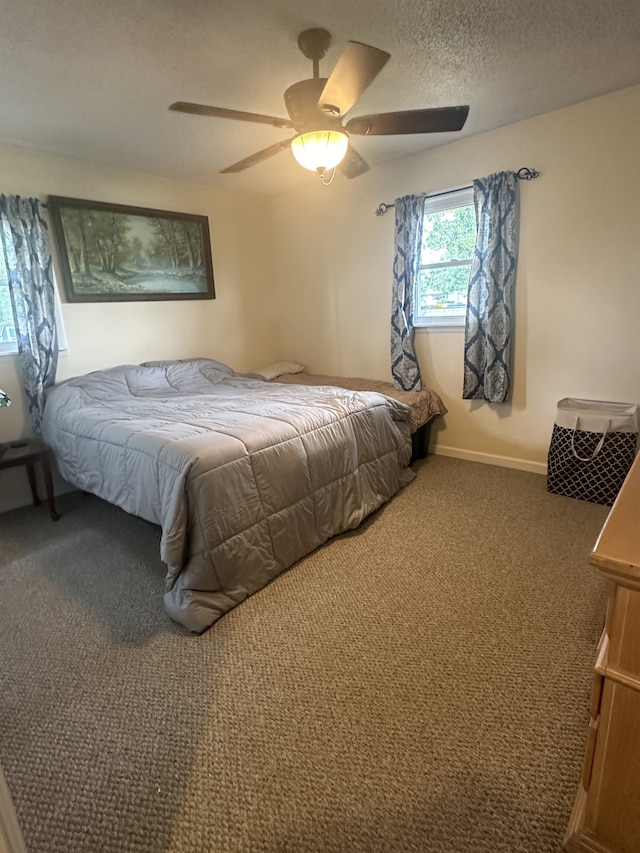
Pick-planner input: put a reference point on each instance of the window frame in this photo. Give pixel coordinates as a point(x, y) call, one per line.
point(438, 203)
point(11, 349)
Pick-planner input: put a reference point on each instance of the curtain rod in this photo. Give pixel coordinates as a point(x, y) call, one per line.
point(524, 174)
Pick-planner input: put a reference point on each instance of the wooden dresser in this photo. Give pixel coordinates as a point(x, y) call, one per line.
point(606, 814)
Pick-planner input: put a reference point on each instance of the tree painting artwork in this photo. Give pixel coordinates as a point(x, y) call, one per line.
point(112, 253)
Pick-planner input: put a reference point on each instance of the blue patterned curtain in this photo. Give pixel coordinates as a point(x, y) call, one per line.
point(408, 239)
point(487, 346)
point(25, 241)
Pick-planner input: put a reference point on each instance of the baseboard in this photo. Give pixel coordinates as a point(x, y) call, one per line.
point(490, 459)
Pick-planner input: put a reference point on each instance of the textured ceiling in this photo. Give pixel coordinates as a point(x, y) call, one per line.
point(94, 80)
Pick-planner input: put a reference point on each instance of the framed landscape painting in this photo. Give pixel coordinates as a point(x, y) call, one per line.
point(113, 253)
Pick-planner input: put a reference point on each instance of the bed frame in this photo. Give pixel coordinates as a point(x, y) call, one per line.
point(420, 442)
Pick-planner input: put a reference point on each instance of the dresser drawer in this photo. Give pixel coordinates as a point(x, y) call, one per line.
point(624, 634)
point(598, 677)
point(589, 750)
point(612, 813)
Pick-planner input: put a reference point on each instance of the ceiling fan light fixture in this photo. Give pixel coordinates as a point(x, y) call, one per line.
point(323, 102)
point(320, 149)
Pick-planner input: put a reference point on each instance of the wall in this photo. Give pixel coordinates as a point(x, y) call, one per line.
point(577, 300)
point(578, 289)
point(235, 327)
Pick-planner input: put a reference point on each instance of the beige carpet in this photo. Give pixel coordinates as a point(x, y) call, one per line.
point(419, 684)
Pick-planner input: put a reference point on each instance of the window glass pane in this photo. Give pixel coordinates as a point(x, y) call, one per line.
point(7, 332)
point(448, 241)
point(441, 290)
point(8, 340)
point(448, 235)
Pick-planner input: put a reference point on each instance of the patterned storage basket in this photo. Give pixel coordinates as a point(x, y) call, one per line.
point(593, 445)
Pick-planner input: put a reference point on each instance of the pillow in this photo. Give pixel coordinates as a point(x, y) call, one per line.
point(278, 368)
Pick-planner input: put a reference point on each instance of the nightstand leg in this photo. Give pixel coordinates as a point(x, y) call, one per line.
point(48, 484)
point(32, 482)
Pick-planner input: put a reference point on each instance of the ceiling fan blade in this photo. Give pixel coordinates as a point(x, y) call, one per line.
point(258, 157)
point(438, 120)
point(221, 112)
point(357, 67)
point(353, 164)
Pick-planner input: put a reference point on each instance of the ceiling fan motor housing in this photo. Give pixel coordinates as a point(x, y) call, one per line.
point(301, 101)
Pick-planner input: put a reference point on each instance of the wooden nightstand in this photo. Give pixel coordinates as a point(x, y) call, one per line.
point(27, 452)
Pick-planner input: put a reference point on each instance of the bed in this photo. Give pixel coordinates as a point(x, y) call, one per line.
point(424, 405)
point(244, 476)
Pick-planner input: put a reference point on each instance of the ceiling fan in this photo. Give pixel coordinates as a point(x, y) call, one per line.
point(317, 108)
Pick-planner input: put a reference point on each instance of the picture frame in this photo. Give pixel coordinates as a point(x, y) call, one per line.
point(118, 253)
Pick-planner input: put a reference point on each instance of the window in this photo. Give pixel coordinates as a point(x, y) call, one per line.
point(448, 240)
point(7, 332)
point(8, 342)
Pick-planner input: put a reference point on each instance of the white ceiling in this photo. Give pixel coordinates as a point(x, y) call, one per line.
point(94, 79)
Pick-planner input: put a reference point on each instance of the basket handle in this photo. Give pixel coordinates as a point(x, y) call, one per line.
point(598, 447)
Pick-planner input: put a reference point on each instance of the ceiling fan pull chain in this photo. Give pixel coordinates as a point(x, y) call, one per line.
point(323, 175)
